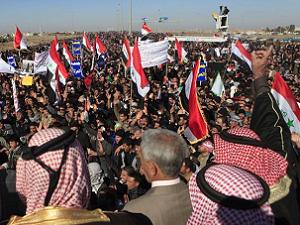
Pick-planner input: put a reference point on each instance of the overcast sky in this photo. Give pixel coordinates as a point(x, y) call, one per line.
point(95, 15)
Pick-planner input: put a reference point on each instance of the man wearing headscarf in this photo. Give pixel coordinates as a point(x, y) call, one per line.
point(228, 195)
point(53, 180)
point(267, 121)
point(266, 154)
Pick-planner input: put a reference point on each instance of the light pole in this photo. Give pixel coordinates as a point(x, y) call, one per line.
point(121, 15)
point(130, 27)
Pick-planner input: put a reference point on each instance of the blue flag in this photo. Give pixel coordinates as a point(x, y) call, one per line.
point(101, 60)
point(12, 61)
point(202, 68)
point(76, 47)
point(76, 69)
point(202, 72)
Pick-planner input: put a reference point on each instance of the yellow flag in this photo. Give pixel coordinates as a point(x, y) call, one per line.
point(27, 80)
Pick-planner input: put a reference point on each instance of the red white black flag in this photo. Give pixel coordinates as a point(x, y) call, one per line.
point(242, 53)
point(145, 29)
point(19, 40)
point(100, 47)
point(137, 73)
point(181, 53)
point(86, 42)
point(197, 129)
point(56, 68)
point(126, 52)
point(67, 54)
point(287, 103)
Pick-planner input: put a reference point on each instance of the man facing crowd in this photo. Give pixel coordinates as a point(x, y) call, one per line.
point(161, 156)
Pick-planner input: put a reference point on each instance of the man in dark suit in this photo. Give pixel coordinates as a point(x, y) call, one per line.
point(161, 155)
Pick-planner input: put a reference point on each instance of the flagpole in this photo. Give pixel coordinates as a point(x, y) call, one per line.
point(125, 71)
point(166, 72)
point(131, 100)
point(81, 53)
point(131, 92)
point(20, 61)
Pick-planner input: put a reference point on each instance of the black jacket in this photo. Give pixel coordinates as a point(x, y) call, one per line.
point(268, 123)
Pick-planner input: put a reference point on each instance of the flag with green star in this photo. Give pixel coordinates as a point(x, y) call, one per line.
point(287, 103)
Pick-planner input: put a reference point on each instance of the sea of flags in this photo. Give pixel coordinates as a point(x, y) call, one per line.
point(136, 58)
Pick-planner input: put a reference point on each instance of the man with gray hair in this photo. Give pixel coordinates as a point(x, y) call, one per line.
point(161, 155)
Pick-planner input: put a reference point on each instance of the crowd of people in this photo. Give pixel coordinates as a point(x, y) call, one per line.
point(128, 153)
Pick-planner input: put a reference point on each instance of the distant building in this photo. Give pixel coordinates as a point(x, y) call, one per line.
point(28, 34)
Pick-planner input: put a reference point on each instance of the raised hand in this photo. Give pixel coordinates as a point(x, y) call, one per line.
point(260, 61)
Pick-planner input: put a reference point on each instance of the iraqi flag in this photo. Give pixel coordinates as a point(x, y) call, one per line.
point(126, 52)
point(197, 129)
point(19, 41)
point(56, 43)
point(137, 73)
point(86, 42)
point(287, 103)
point(242, 54)
point(55, 62)
point(181, 53)
point(100, 47)
point(145, 29)
point(67, 54)
point(58, 72)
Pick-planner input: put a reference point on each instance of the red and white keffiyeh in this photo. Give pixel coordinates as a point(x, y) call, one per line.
point(32, 181)
point(263, 162)
point(230, 181)
point(208, 145)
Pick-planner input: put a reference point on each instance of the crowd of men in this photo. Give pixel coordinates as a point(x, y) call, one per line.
point(109, 119)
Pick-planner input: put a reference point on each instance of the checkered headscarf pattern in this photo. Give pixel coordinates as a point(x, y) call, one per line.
point(73, 189)
point(265, 163)
point(230, 181)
